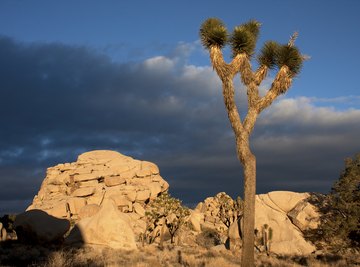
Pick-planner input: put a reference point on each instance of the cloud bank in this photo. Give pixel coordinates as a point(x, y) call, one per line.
point(57, 101)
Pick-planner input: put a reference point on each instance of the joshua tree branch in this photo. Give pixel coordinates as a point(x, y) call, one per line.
point(233, 113)
point(226, 73)
point(250, 119)
point(281, 84)
point(246, 73)
point(249, 79)
point(221, 67)
point(260, 74)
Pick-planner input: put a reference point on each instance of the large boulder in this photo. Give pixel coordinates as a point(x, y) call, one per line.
point(36, 226)
point(272, 209)
point(78, 190)
point(108, 227)
point(196, 219)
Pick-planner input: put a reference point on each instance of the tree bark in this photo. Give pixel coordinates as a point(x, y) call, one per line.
point(249, 212)
point(162, 232)
point(248, 161)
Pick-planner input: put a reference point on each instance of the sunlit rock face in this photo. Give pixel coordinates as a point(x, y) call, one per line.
point(108, 227)
point(78, 190)
point(287, 214)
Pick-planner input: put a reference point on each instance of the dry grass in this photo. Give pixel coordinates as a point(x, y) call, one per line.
point(13, 254)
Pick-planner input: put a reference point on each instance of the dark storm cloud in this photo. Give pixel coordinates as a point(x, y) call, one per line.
point(58, 101)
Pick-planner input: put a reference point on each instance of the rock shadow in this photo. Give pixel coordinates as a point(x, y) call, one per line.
point(40, 237)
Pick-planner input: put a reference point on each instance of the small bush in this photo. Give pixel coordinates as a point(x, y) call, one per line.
point(208, 238)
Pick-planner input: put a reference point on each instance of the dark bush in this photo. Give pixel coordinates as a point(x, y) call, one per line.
point(208, 238)
point(340, 220)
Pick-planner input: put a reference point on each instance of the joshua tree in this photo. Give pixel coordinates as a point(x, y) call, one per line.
point(166, 211)
point(286, 58)
point(230, 210)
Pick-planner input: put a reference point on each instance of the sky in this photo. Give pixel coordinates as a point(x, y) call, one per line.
point(132, 76)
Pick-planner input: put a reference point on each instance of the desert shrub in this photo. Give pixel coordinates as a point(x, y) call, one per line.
point(58, 258)
point(208, 238)
point(340, 220)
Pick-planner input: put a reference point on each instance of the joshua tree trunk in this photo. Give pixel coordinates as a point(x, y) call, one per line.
point(248, 161)
point(249, 211)
point(162, 233)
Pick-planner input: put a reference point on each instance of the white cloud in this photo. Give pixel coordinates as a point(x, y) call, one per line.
point(304, 111)
point(159, 64)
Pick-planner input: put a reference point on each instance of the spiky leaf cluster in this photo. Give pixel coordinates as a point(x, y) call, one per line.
point(243, 40)
point(291, 57)
point(268, 54)
point(213, 33)
point(275, 55)
point(244, 37)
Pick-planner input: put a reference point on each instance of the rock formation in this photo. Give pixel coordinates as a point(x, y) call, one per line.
point(286, 213)
point(78, 190)
point(105, 194)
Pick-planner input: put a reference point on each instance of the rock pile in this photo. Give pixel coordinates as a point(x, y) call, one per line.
point(78, 190)
point(286, 213)
point(206, 214)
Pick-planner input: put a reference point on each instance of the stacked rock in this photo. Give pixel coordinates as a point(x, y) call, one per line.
point(77, 190)
point(206, 214)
